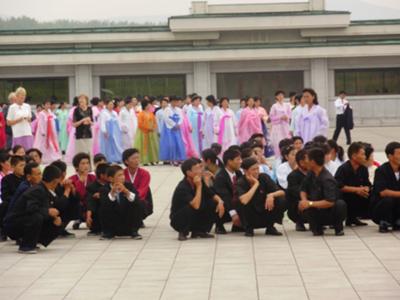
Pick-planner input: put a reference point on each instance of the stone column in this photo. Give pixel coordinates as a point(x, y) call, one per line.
point(319, 80)
point(84, 80)
point(202, 78)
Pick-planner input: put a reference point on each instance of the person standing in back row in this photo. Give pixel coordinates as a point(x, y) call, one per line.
point(342, 108)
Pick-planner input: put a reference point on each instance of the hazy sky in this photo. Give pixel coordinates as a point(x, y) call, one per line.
point(99, 9)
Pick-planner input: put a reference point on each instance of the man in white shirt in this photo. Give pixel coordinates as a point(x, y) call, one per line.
point(341, 105)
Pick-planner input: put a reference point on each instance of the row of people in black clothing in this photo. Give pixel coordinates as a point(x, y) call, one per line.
point(238, 193)
point(38, 206)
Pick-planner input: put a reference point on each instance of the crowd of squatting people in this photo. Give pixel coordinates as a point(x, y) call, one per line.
point(246, 168)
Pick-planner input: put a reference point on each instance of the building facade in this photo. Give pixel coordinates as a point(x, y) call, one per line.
point(226, 50)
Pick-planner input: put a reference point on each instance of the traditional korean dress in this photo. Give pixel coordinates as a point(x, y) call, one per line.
point(226, 128)
point(128, 121)
point(110, 136)
point(172, 147)
point(46, 139)
point(146, 140)
point(96, 130)
point(210, 120)
point(195, 116)
point(3, 137)
point(186, 130)
point(312, 122)
point(62, 116)
point(280, 128)
point(249, 124)
point(69, 154)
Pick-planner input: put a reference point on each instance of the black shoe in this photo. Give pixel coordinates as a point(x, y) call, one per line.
point(355, 222)
point(27, 250)
point(249, 232)
point(3, 235)
point(202, 235)
point(319, 232)
point(384, 227)
point(65, 234)
point(300, 227)
point(272, 231)
point(220, 229)
point(136, 236)
point(339, 232)
point(396, 226)
point(93, 233)
point(182, 236)
point(237, 229)
point(105, 236)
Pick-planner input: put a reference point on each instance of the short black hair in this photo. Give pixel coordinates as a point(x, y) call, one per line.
point(320, 139)
point(279, 92)
point(368, 150)
point(16, 148)
point(285, 152)
point(354, 148)
point(317, 155)
point(324, 147)
point(217, 148)
point(101, 169)
point(333, 145)
point(342, 92)
point(4, 156)
point(34, 150)
point(211, 99)
point(95, 101)
point(188, 164)
point(301, 155)
point(144, 104)
point(29, 167)
point(128, 153)
point(256, 135)
point(297, 138)
point(234, 147)
point(78, 158)
point(248, 163)
point(112, 170)
point(285, 143)
point(209, 154)
point(51, 173)
point(99, 157)
point(60, 164)
point(391, 148)
point(292, 94)
point(246, 153)
point(230, 154)
point(15, 159)
point(313, 93)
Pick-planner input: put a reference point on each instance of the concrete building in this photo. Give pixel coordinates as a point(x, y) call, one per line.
point(233, 50)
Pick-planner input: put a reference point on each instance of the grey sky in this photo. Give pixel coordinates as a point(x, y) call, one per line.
point(157, 10)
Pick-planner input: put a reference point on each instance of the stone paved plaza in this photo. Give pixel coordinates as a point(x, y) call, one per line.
point(363, 264)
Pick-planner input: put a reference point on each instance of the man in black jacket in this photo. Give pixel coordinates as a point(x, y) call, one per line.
point(67, 202)
point(194, 204)
point(262, 203)
point(121, 212)
point(9, 185)
point(385, 206)
point(225, 186)
point(295, 180)
point(33, 218)
point(93, 195)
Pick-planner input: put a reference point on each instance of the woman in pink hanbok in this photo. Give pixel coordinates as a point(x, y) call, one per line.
point(46, 139)
point(279, 115)
point(313, 119)
point(69, 154)
point(225, 125)
point(249, 122)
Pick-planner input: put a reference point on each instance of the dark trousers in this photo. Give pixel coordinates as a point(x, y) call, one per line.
point(252, 218)
point(121, 219)
point(188, 219)
point(32, 229)
point(69, 212)
point(335, 216)
point(340, 123)
point(3, 212)
point(225, 218)
point(294, 213)
point(148, 205)
point(385, 209)
point(357, 206)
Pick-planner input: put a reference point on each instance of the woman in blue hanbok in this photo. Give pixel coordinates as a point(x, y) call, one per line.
point(110, 133)
point(195, 115)
point(172, 147)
